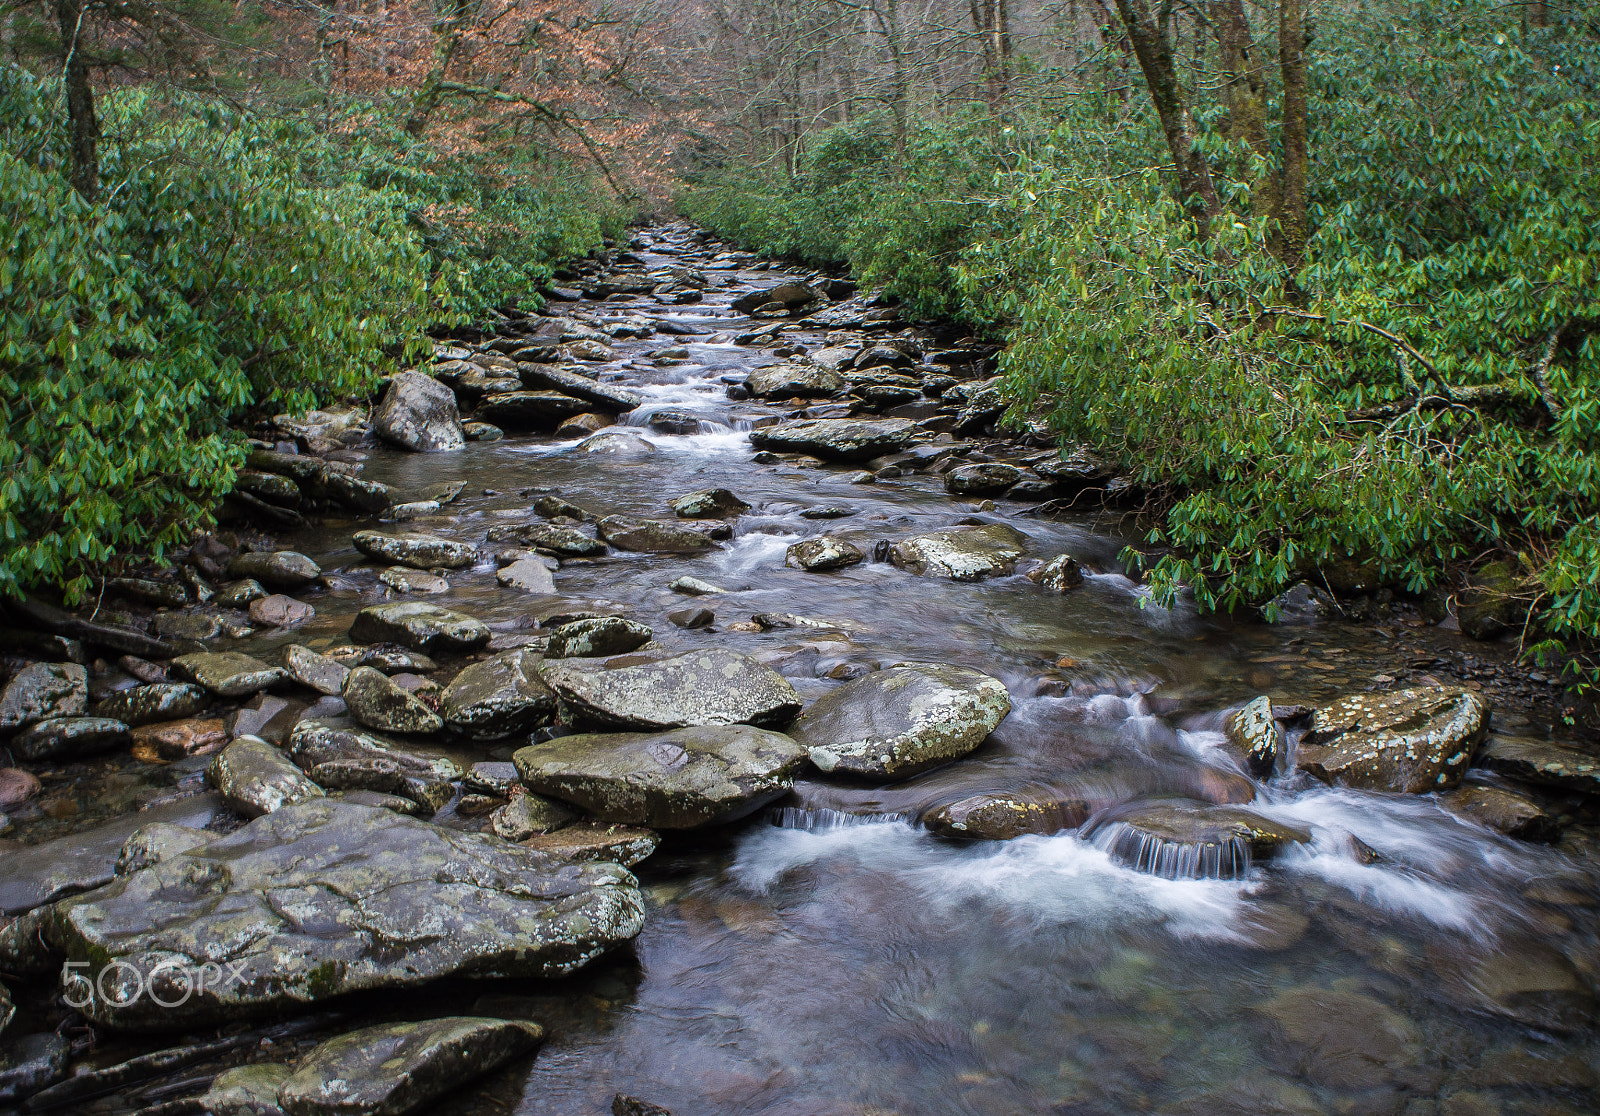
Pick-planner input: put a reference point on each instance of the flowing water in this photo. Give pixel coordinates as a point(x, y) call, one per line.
point(830, 957)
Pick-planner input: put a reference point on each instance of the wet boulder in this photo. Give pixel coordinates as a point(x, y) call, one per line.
point(280, 611)
point(396, 1068)
point(314, 671)
point(596, 636)
point(712, 687)
point(1059, 575)
point(1543, 763)
point(606, 397)
point(681, 779)
point(411, 902)
point(339, 759)
point(1185, 840)
point(790, 379)
point(896, 722)
point(43, 691)
point(1500, 808)
point(961, 553)
point(652, 536)
point(1413, 741)
point(529, 410)
point(421, 627)
point(824, 552)
point(283, 569)
point(1254, 738)
point(528, 575)
point(712, 503)
point(419, 413)
point(250, 1090)
point(69, 738)
point(836, 439)
point(785, 296)
point(227, 673)
point(416, 550)
point(528, 815)
point(989, 478)
point(378, 703)
point(159, 701)
point(565, 542)
point(502, 696)
point(583, 425)
point(255, 778)
point(623, 845)
point(1002, 815)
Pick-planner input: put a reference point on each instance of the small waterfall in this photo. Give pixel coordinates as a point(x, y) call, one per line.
point(1219, 857)
point(821, 820)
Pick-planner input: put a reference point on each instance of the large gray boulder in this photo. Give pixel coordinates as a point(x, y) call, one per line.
point(41, 691)
point(324, 898)
point(781, 381)
point(548, 377)
point(499, 697)
point(255, 778)
point(415, 549)
point(419, 413)
point(836, 439)
point(712, 687)
point(893, 723)
point(396, 1068)
point(421, 627)
point(670, 780)
point(1413, 741)
point(961, 553)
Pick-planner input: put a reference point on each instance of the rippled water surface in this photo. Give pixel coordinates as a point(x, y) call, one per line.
point(848, 962)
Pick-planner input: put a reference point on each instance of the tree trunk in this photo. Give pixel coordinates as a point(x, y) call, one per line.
point(447, 37)
point(1243, 95)
point(1292, 202)
point(85, 128)
point(1153, 48)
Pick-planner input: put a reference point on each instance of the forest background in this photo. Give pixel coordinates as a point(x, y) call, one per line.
point(1320, 275)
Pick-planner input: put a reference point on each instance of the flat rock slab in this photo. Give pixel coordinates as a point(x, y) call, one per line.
point(323, 898)
point(713, 687)
point(339, 759)
point(670, 780)
point(527, 574)
point(961, 553)
point(416, 550)
point(421, 627)
point(624, 845)
point(314, 671)
point(227, 673)
point(836, 439)
point(37, 874)
point(652, 536)
point(1350, 1041)
point(893, 723)
point(1536, 761)
point(502, 696)
point(1413, 741)
point(397, 1068)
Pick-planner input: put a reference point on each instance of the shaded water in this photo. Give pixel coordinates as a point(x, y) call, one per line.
point(807, 964)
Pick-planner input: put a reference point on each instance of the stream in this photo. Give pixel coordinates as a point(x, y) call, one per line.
point(831, 957)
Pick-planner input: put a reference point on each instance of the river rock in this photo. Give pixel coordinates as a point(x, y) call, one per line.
point(31, 1063)
point(1500, 808)
point(1413, 741)
point(43, 691)
point(836, 439)
point(1537, 761)
point(153, 843)
point(283, 569)
point(1002, 815)
point(527, 574)
point(255, 778)
point(379, 704)
point(1182, 839)
point(623, 845)
point(280, 611)
point(417, 550)
point(961, 553)
point(421, 627)
point(712, 687)
point(180, 626)
point(583, 425)
point(314, 671)
point(246, 1091)
point(16, 787)
point(711, 503)
point(160, 701)
point(502, 696)
point(399, 579)
point(673, 780)
point(167, 741)
point(324, 898)
point(356, 493)
point(824, 552)
point(989, 478)
point(68, 738)
point(227, 673)
point(793, 378)
point(1254, 737)
point(607, 397)
point(419, 413)
point(562, 541)
point(652, 536)
point(1347, 1040)
point(897, 722)
point(340, 759)
point(694, 587)
point(528, 815)
point(526, 410)
point(241, 594)
point(787, 295)
point(1058, 575)
point(615, 441)
point(397, 1068)
point(599, 635)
